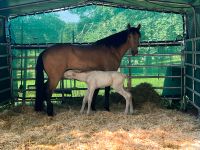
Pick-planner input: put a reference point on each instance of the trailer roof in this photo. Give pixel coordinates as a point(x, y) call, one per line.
point(24, 7)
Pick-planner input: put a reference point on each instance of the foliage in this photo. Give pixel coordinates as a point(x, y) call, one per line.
point(95, 22)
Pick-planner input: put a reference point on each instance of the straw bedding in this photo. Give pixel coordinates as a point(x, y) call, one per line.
point(151, 127)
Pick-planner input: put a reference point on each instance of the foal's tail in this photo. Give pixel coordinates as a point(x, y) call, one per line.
point(39, 83)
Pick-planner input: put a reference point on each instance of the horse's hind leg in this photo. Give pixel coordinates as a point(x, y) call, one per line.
point(94, 99)
point(107, 95)
point(51, 86)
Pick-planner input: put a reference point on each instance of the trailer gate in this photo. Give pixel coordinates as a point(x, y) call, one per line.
point(192, 72)
point(5, 84)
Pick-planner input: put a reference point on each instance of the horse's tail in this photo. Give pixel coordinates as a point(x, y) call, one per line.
point(39, 83)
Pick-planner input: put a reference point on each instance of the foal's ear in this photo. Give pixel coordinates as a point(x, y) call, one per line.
point(139, 26)
point(128, 26)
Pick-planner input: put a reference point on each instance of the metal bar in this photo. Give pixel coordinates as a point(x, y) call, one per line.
point(26, 4)
point(160, 43)
point(192, 65)
point(55, 99)
point(3, 44)
point(175, 87)
point(133, 77)
point(30, 68)
point(23, 57)
point(184, 5)
point(5, 55)
point(142, 44)
point(193, 91)
point(190, 77)
point(132, 66)
point(193, 57)
point(190, 52)
point(197, 107)
point(192, 39)
point(3, 79)
point(56, 90)
point(19, 79)
point(60, 89)
point(171, 98)
point(160, 54)
point(149, 66)
point(4, 90)
point(4, 67)
point(127, 55)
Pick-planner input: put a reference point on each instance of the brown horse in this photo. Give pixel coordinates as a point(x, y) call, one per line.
point(104, 54)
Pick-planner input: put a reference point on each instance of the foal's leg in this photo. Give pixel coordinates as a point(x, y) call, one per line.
point(94, 99)
point(90, 95)
point(84, 102)
point(107, 94)
point(127, 97)
point(131, 104)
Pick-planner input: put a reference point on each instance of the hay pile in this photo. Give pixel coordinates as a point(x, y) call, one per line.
point(154, 128)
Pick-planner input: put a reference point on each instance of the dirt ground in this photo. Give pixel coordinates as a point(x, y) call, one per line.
point(151, 127)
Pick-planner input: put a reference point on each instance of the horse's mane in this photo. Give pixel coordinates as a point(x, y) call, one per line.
point(117, 39)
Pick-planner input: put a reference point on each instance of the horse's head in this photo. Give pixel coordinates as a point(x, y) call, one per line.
point(134, 38)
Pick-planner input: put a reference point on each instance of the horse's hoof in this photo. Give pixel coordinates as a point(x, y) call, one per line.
point(94, 109)
point(50, 110)
point(50, 113)
point(107, 109)
point(40, 108)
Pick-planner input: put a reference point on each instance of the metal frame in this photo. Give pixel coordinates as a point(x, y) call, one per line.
point(7, 66)
point(193, 52)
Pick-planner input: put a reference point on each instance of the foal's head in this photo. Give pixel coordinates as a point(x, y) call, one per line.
point(133, 38)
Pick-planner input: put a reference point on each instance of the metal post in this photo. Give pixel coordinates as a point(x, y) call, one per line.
point(8, 41)
point(129, 73)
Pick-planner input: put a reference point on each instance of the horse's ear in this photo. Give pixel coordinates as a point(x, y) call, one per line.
point(139, 26)
point(128, 26)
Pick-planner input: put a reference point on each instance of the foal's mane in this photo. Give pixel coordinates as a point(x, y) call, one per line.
point(117, 39)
